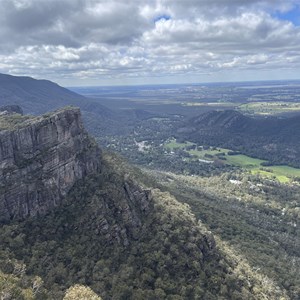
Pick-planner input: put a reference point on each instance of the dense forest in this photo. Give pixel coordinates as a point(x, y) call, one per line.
point(257, 217)
point(166, 256)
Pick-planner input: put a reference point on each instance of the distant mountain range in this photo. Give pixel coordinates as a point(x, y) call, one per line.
point(235, 122)
point(271, 138)
point(39, 96)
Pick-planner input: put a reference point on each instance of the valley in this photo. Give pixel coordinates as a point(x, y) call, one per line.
point(247, 198)
point(253, 98)
point(283, 174)
point(169, 176)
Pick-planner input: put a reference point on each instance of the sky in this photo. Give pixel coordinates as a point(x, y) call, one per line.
point(129, 42)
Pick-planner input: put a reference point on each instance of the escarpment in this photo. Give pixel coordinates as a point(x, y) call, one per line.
point(40, 160)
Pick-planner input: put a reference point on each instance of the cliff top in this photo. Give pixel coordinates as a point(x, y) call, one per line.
point(15, 120)
point(11, 109)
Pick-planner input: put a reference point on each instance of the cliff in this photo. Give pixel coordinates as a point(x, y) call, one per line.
point(40, 160)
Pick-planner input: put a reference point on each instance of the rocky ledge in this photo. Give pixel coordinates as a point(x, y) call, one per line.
point(40, 160)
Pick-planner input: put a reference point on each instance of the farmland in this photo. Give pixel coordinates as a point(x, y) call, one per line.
point(283, 174)
point(269, 108)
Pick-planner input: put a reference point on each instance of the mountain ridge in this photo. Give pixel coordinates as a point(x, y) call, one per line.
point(271, 138)
point(235, 121)
point(40, 96)
point(37, 96)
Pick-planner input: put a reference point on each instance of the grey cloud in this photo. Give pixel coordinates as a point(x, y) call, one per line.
point(36, 15)
point(221, 7)
point(246, 32)
point(70, 22)
point(37, 22)
point(76, 39)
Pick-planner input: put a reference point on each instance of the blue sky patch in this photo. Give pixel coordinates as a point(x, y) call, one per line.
point(162, 17)
point(292, 15)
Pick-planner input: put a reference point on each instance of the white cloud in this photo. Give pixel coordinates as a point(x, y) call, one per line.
point(92, 39)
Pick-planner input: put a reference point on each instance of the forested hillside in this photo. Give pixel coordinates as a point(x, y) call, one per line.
point(102, 239)
point(258, 218)
point(271, 138)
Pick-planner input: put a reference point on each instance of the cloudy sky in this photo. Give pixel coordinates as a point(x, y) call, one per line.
point(120, 42)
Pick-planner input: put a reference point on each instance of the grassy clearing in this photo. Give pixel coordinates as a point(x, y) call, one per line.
point(213, 104)
point(172, 144)
point(243, 161)
point(283, 174)
point(269, 108)
point(271, 174)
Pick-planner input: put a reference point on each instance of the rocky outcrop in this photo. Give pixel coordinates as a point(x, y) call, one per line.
point(41, 160)
point(11, 109)
point(118, 212)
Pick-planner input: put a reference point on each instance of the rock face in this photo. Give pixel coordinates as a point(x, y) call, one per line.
point(116, 212)
point(41, 160)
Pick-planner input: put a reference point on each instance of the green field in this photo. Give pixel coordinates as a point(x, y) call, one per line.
point(212, 104)
point(271, 174)
point(244, 161)
point(172, 144)
point(269, 108)
point(283, 174)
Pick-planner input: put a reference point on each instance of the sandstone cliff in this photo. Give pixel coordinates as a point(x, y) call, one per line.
point(40, 160)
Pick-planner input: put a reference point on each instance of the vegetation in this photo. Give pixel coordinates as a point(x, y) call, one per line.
point(80, 292)
point(16, 284)
point(269, 108)
point(271, 139)
point(15, 120)
point(218, 104)
point(173, 144)
point(258, 219)
point(246, 200)
point(9, 122)
point(168, 256)
point(283, 174)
